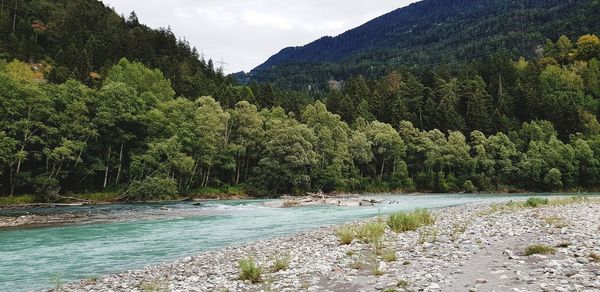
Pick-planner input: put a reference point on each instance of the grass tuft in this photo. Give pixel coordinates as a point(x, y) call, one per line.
point(155, 286)
point(389, 256)
point(346, 234)
point(281, 263)
point(538, 249)
point(249, 270)
point(377, 271)
point(535, 202)
point(595, 257)
point(356, 265)
point(371, 232)
point(402, 284)
point(556, 221)
point(409, 221)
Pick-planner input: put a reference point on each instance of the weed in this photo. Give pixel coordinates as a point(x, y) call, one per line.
point(409, 221)
point(458, 229)
point(282, 262)
point(350, 253)
point(535, 202)
point(371, 232)
point(428, 235)
point(538, 249)
point(406, 263)
point(249, 270)
point(402, 284)
point(377, 271)
point(389, 256)
point(357, 265)
point(563, 244)
point(595, 257)
point(155, 286)
point(57, 283)
point(346, 234)
point(555, 221)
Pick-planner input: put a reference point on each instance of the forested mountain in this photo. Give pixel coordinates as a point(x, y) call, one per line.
point(144, 117)
point(81, 39)
point(430, 33)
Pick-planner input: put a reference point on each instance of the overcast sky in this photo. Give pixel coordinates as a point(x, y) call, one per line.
point(247, 32)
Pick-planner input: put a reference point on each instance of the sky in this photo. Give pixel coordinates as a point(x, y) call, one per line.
point(245, 33)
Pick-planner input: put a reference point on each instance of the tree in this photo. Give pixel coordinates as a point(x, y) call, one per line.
point(141, 78)
point(477, 105)
point(331, 146)
point(561, 92)
point(246, 138)
point(211, 125)
point(25, 109)
point(588, 47)
point(387, 147)
point(553, 179)
point(288, 159)
point(118, 120)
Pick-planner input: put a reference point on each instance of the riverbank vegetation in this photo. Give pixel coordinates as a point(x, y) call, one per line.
point(495, 125)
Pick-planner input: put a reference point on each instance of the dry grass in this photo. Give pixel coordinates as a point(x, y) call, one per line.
point(538, 249)
point(556, 221)
point(346, 234)
point(389, 256)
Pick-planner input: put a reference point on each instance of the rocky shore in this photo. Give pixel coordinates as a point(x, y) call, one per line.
point(39, 220)
point(477, 247)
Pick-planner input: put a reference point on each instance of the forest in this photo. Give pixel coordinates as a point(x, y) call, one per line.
point(429, 33)
point(494, 125)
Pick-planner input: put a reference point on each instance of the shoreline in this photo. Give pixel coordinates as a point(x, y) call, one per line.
point(33, 220)
point(473, 247)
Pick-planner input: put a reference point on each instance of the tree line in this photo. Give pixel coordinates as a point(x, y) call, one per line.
point(533, 128)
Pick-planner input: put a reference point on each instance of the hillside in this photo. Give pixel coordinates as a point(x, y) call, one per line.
point(429, 33)
point(81, 39)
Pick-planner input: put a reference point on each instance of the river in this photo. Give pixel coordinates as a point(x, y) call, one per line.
point(133, 236)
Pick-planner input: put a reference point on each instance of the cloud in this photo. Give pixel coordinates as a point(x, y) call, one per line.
point(247, 32)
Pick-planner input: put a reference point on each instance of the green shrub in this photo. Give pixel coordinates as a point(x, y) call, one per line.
point(469, 187)
point(282, 262)
point(46, 189)
point(249, 270)
point(538, 249)
point(17, 200)
point(408, 221)
point(535, 202)
point(153, 188)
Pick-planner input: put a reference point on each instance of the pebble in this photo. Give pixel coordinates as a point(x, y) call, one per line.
point(319, 263)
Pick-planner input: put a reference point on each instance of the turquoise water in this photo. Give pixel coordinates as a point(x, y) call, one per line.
point(150, 234)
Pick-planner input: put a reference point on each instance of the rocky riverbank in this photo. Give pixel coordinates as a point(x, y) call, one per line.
point(39, 220)
point(477, 247)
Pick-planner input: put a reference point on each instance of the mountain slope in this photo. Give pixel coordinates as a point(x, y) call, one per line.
point(80, 39)
point(431, 32)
